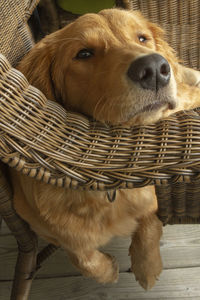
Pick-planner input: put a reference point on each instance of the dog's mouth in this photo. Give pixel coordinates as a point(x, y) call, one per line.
point(170, 104)
point(151, 108)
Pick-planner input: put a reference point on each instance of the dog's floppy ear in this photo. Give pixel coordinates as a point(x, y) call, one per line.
point(36, 66)
point(39, 64)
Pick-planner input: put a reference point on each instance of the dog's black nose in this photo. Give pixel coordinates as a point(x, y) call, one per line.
point(150, 71)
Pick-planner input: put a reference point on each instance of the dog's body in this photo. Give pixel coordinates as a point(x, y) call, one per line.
point(116, 67)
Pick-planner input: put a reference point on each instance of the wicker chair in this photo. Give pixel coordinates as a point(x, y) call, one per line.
point(42, 140)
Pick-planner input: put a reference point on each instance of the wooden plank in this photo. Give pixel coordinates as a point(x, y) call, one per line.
point(180, 247)
point(173, 284)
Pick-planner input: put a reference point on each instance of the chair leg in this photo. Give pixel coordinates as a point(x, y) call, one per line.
point(27, 243)
point(23, 278)
point(45, 253)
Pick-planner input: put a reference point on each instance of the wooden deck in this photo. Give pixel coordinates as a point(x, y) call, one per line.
point(59, 280)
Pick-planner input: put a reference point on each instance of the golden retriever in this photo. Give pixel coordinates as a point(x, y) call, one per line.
point(116, 67)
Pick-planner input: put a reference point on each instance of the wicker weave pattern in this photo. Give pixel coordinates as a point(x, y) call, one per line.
point(127, 158)
point(15, 37)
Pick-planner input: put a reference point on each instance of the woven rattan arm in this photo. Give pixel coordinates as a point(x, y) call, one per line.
point(42, 140)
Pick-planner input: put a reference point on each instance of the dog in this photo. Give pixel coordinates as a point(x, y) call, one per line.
point(116, 67)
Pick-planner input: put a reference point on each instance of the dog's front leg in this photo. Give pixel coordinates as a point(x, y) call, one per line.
point(93, 263)
point(145, 251)
point(189, 76)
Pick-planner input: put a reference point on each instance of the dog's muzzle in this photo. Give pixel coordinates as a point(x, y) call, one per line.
point(150, 71)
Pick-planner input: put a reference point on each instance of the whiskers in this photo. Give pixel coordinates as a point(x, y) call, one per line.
point(113, 109)
point(99, 108)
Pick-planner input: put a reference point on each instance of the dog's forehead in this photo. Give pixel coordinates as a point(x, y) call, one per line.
point(123, 18)
point(110, 24)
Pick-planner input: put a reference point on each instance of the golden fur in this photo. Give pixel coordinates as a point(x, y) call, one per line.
point(82, 221)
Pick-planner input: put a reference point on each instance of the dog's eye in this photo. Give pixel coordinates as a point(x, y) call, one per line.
point(84, 54)
point(142, 38)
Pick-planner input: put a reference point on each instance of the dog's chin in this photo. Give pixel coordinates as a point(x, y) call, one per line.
point(150, 113)
point(144, 115)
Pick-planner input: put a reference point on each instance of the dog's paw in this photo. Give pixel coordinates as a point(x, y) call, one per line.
point(198, 84)
point(147, 272)
point(146, 282)
point(191, 76)
point(110, 273)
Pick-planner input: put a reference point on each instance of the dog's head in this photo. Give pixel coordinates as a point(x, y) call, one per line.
point(114, 66)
